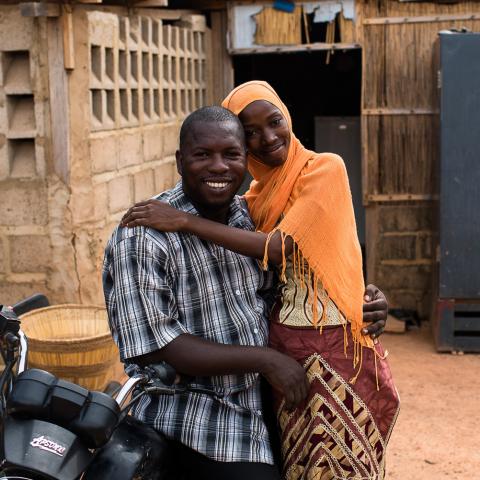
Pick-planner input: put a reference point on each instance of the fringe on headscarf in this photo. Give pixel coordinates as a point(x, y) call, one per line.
point(300, 272)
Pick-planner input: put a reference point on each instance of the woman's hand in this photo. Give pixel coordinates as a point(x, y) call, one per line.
point(375, 311)
point(156, 214)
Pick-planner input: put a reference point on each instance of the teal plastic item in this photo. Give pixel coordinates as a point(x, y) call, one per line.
point(284, 5)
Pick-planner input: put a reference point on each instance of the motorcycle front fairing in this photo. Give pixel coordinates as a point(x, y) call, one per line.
point(41, 448)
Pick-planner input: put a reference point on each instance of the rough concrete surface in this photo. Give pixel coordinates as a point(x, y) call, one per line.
point(437, 435)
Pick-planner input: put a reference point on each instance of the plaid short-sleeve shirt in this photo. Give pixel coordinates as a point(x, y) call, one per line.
point(159, 285)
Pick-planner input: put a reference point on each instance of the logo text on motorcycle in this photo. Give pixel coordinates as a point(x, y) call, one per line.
point(48, 445)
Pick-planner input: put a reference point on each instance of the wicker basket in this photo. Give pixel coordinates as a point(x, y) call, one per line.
point(74, 343)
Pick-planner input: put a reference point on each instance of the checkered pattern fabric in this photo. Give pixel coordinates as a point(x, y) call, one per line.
point(160, 285)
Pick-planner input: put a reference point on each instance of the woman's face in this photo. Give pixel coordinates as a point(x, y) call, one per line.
point(266, 132)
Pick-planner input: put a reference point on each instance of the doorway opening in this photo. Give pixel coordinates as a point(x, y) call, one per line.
point(323, 94)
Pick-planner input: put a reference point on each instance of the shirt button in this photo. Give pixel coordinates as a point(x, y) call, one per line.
point(259, 412)
point(255, 330)
point(237, 292)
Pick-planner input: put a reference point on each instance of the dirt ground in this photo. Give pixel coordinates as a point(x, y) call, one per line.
point(437, 435)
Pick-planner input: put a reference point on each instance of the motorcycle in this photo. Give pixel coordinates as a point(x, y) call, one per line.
point(51, 429)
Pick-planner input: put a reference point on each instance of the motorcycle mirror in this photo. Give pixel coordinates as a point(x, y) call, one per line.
point(9, 321)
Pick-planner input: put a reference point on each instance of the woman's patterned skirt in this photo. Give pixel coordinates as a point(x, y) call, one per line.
point(342, 429)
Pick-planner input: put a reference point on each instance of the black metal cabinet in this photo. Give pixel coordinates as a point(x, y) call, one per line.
point(457, 314)
point(460, 166)
point(341, 135)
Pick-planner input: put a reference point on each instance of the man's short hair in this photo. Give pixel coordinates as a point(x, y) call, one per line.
point(212, 114)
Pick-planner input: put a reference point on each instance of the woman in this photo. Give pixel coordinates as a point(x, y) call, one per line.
point(301, 204)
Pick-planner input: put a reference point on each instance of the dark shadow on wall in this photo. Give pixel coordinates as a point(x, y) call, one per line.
point(307, 84)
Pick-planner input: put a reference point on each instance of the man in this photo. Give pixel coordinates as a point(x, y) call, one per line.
point(203, 309)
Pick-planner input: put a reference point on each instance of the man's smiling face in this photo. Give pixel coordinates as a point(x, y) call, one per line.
point(212, 163)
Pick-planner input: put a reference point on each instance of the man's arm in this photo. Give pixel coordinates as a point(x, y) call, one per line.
point(147, 328)
point(196, 356)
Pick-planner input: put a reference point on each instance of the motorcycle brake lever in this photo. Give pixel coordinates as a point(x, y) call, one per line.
point(163, 390)
point(181, 388)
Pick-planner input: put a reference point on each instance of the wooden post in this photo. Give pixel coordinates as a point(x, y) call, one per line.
point(371, 235)
point(209, 75)
point(222, 66)
point(305, 25)
point(59, 105)
point(68, 40)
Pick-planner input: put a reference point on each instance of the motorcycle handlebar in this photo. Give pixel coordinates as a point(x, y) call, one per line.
point(163, 372)
point(158, 379)
point(38, 300)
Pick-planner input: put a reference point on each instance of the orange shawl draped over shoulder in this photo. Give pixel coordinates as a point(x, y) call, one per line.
point(319, 217)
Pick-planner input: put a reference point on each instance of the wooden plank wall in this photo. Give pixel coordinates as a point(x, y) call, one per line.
point(400, 140)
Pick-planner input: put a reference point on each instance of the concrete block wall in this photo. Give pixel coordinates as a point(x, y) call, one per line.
point(61, 194)
point(144, 77)
point(25, 242)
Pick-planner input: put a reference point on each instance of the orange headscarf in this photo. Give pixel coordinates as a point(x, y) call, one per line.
point(320, 220)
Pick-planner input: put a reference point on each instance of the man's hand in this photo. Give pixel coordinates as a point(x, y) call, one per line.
point(195, 356)
point(375, 310)
point(156, 214)
point(287, 376)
